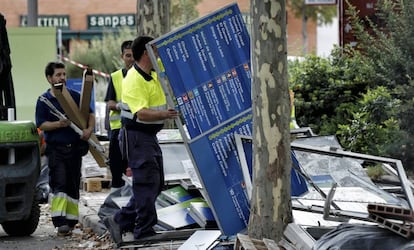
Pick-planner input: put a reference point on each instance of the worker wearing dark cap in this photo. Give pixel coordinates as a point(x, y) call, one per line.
point(144, 109)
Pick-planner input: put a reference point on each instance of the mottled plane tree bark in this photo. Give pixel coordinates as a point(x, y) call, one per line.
point(153, 17)
point(271, 209)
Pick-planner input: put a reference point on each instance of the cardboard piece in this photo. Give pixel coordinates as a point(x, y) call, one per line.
point(73, 113)
point(86, 91)
point(98, 156)
point(69, 105)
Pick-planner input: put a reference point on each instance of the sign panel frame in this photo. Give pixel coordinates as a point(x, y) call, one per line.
point(207, 77)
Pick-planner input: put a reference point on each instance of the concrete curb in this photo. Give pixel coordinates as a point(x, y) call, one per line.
point(88, 217)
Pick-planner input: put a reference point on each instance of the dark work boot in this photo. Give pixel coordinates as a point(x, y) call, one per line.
point(64, 230)
point(114, 229)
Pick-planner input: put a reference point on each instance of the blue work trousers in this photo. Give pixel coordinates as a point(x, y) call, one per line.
point(117, 165)
point(146, 163)
point(64, 164)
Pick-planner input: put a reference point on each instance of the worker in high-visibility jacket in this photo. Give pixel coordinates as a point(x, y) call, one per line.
point(117, 165)
point(293, 123)
point(143, 113)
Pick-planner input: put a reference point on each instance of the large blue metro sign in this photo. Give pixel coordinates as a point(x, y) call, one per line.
point(207, 64)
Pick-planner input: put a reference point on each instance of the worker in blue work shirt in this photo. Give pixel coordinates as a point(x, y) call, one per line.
point(64, 150)
point(143, 113)
point(117, 165)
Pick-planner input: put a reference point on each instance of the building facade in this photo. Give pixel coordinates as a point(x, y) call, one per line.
point(83, 20)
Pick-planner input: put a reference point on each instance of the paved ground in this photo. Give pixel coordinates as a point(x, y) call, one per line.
point(90, 203)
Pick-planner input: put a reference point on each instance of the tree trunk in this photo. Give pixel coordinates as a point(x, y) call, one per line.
point(153, 17)
point(271, 208)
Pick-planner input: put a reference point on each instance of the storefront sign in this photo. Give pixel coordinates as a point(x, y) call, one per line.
point(110, 21)
point(60, 21)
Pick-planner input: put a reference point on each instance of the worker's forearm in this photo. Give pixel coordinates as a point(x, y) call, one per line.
point(113, 105)
point(49, 125)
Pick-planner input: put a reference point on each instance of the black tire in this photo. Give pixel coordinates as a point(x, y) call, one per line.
point(24, 227)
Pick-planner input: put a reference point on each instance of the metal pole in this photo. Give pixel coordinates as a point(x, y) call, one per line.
point(12, 155)
point(31, 13)
point(341, 22)
point(59, 38)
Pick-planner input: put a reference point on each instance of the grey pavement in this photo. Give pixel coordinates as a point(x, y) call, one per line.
point(174, 154)
point(89, 204)
point(175, 169)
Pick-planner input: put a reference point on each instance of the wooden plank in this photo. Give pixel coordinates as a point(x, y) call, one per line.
point(298, 237)
point(86, 92)
point(95, 184)
point(100, 159)
point(270, 244)
point(286, 245)
point(243, 242)
point(72, 111)
point(259, 244)
point(69, 105)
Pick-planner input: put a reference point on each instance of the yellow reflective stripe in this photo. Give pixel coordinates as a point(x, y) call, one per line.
point(115, 117)
point(115, 123)
point(72, 210)
point(130, 116)
point(127, 114)
point(159, 107)
point(58, 205)
point(153, 122)
point(63, 205)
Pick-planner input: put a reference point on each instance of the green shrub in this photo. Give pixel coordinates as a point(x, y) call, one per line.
point(374, 127)
point(364, 96)
point(327, 90)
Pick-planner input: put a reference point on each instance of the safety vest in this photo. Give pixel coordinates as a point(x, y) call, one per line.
point(139, 93)
point(293, 123)
point(115, 115)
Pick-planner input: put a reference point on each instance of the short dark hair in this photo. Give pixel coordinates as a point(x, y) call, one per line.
point(51, 66)
point(126, 45)
point(138, 46)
